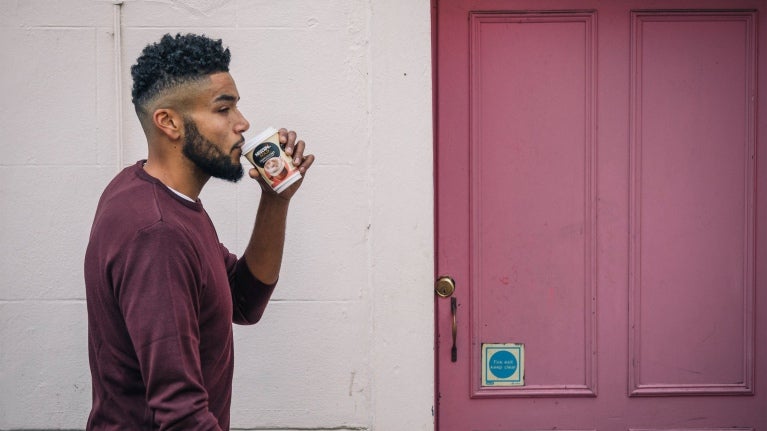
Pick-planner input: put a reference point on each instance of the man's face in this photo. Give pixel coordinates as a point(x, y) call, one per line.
point(213, 129)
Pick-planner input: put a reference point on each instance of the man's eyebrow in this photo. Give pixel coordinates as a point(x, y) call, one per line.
point(226, 98)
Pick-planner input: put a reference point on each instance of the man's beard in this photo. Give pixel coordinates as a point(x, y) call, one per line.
point(207, 156)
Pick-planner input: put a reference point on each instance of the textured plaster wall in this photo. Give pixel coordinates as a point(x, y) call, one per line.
point(346, 343)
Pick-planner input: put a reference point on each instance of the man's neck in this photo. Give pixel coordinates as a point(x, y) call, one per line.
point(181, 177)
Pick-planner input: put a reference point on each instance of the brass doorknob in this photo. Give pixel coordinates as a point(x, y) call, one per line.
point(444, 286)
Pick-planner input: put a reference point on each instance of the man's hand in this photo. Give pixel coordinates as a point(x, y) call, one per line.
point(294, 149)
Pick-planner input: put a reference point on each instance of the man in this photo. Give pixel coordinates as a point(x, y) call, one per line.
point(162, 291)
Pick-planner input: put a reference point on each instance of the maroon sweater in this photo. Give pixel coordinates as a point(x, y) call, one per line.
point(162, 294)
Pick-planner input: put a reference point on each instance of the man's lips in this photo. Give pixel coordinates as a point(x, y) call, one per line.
point(238, 146)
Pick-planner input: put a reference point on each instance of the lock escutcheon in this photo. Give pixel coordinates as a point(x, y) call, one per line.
point(444, 286)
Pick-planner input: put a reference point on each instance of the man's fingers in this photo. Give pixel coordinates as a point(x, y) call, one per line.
point(283, 135)
point(287, 140)
point(298, 152)
point(306, 163)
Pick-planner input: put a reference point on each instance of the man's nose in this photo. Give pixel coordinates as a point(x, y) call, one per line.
point(242, 125)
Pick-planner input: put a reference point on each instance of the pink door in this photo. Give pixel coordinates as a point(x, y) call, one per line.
point(602, 208)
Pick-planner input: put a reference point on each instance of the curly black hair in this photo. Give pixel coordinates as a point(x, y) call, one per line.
point(174, 61)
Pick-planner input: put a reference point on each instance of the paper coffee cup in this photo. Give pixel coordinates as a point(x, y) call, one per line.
point(265, 153)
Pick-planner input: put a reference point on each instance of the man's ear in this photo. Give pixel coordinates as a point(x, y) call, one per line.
point(168, 122)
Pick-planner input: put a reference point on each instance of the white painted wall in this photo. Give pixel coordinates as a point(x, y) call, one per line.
point(347, 340)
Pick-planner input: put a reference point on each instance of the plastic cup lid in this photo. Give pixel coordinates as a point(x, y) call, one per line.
point(252, 142)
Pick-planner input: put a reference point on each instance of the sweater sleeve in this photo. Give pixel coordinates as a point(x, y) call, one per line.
point(158, 294)
point(249, 295)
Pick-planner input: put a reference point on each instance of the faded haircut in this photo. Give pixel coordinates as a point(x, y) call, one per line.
point(172, 62)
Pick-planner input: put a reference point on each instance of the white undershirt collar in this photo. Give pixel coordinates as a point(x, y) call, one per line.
point(183, 196)
point(180, 194)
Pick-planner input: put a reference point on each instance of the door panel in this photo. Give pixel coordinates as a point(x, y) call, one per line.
point(597, 192)
point(540, 178)
point(693, 204)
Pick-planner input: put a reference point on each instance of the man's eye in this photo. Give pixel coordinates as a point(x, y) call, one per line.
point(224, 109)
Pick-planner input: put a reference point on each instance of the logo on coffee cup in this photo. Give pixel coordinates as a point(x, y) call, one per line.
point(265, 152)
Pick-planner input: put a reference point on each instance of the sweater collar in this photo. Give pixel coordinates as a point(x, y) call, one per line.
point(138, 169)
